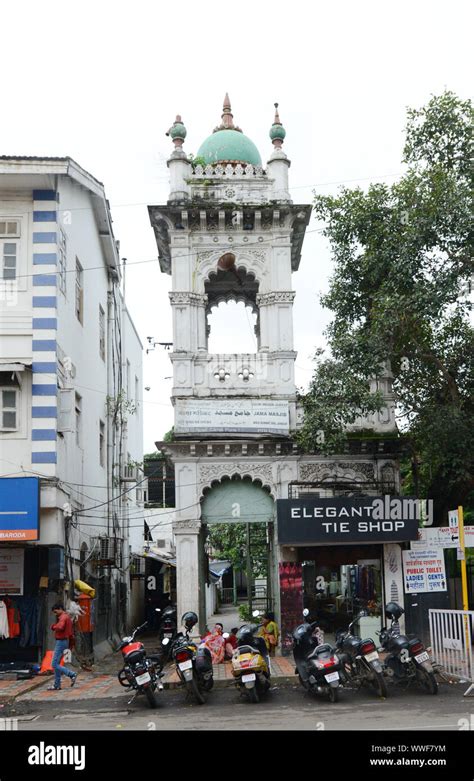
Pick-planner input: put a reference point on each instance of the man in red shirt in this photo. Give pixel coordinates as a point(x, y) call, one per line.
point(63, 632)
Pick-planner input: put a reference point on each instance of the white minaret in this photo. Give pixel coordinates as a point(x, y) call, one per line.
point(229, 231)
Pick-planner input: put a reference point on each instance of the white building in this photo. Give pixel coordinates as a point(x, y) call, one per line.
point(230, 232)
point(71, 386)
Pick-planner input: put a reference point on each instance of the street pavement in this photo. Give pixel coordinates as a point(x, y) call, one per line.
point(98, 705)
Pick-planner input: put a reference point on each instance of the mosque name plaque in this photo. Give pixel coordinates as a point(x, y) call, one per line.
point(231, 416)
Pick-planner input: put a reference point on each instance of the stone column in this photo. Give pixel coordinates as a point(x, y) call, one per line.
point(187, 566)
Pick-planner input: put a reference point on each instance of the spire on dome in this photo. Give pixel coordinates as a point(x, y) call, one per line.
point(177, 132)
point(277, 131)
point(227, 117)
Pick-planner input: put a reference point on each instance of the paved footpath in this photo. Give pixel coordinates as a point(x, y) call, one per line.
point(91, 686)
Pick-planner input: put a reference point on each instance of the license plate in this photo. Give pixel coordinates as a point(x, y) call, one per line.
point(185, 665)
point(372, 656)
point(167, 634)
point(422, 657)
point(332, 677)
point(248, 678)
point(143, 678)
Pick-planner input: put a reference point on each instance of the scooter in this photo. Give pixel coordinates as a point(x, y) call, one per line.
point(317, 666)
point(360, 663)
point(193, 663)
point(140, 672)
point(251, 662)
point(407, 661)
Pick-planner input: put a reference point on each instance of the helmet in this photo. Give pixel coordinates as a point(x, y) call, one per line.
point(393, 610)
point(189, 619)
point(245, 635)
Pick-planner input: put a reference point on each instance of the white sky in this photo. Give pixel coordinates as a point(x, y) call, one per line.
point(103, 81)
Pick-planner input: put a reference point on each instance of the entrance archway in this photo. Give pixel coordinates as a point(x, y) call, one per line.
point(238, 523)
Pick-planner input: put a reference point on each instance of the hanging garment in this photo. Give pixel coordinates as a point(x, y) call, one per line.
point(4, 630)
point(29, 614)
point(13, 615)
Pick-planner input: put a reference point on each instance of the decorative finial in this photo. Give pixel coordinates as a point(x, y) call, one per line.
point(277, 131)
point(227, 117)
point(177, 132)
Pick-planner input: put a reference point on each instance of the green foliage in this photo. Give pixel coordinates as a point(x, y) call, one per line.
point(245, 613)
point(197, 161)
point(399, 295)
point(229, 542)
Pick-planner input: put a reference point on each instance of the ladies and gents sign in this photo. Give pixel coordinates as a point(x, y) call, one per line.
point(351, 519)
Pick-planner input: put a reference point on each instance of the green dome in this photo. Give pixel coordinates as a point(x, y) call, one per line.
point(225, 146)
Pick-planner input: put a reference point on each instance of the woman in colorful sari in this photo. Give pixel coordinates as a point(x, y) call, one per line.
point(216, 644)
point(269, 632)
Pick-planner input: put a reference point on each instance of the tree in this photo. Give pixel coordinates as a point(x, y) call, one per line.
point(229, 542)
point(400, 294)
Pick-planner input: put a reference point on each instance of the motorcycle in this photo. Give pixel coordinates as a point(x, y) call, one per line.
point(406, 660)
point(140, 672)
point(317, 666)
point(360, 663)
point(193, 663)
point(251, 662)
point(167, 630)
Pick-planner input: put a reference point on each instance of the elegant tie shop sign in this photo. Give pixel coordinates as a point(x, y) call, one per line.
point(351, 519)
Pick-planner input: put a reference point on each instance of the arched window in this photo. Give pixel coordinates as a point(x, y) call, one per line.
point(232, 312)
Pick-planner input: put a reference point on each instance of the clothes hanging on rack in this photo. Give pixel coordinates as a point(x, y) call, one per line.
point(29, 619)
point(13, 618)
point(4, 628)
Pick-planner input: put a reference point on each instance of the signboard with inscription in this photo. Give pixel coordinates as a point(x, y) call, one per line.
point(232, 416)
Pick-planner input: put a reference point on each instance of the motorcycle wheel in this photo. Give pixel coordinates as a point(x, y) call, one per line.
point(151, 697)
point(253, 694)
point(193, 687)
point(427, 681)
point(333, 694)
point(378, 685)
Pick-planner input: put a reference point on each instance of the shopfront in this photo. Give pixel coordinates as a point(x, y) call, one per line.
point(339, 556)
point(22, 564)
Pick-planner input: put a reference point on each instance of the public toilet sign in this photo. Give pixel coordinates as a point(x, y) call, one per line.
point(19, 509)
point(349, 519)
point(453, 521)
point(442, 537)
point(424, 571)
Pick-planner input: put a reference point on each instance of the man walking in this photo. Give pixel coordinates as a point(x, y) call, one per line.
point(63, 632)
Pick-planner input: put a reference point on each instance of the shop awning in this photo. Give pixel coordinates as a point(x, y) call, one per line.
point(7, 365)
point(219, 568)
point(160, 557)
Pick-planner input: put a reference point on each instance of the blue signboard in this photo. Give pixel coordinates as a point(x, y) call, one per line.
point(19, 508)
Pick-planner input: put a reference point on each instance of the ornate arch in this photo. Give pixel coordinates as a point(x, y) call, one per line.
point(211, 475)
point(252, 260)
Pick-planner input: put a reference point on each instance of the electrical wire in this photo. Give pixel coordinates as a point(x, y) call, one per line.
point(293, 234)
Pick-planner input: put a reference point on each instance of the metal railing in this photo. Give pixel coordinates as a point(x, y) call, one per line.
point(452, 638)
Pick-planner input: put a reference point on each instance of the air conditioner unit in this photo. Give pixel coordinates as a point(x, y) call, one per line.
point(130, 474)
point(108, 551)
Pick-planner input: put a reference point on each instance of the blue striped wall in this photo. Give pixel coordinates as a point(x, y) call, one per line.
point(44, 390)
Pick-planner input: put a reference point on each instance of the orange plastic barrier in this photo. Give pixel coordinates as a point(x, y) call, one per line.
point(46, 666)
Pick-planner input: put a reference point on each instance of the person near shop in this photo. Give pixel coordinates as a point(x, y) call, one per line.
point(63, 633)
point(231, 643)
point(270, 632)
point(216, 644)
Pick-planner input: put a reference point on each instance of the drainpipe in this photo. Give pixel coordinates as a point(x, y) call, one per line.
point(110, 394)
